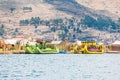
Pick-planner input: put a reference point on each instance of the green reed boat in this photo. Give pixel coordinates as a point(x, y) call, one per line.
point(46, 48)
point(31, 50)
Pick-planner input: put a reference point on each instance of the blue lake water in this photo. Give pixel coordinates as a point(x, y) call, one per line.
point(60, 67)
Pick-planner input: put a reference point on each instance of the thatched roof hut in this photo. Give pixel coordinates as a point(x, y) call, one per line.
point(1, 43)
point(78, 42)
point(116, 43)
point(23, 42)
point(64, 45)
point(115, 46)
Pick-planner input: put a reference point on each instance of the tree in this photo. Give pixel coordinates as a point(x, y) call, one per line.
point(63, 36)
point(74, 36)
point(36, 26)
point(105, 23)
point(2, 26)
point(53, 29)
point(71, 22)
point(24, 22)
point(89, 21)
point(118, 25)
point(69, 27)
point(74, 29)
point(78, 30)
point(27, 8)
point(2, 30)
point(16, 30)
point(56, 22)
point(12, 9)
point(47, 23)
point(35, 21)
point(66, 29)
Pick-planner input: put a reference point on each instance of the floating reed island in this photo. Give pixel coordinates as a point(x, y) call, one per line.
point(39, 46)
point(113, 48)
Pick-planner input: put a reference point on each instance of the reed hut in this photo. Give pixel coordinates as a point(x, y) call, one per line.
point(1, 43)
point(23, 43)
point(11, 44)
point(115, 46)
point(65, 45)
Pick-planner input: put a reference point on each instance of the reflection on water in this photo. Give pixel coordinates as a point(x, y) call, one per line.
point(60, 67)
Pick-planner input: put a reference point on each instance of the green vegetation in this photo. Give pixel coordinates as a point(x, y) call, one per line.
point(33, 21)
point(27, 8)
point(16, 30)
point(73, 25)
point(12, 9)
point(118, 27)
point(2, 30)
point(100, 23)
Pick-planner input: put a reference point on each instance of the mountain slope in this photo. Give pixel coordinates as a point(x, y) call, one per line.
point(55, 9)
point(111, 6)
point(70, 7)
point(52, 8)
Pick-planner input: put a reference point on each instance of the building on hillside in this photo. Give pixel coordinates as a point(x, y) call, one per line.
point(27, 9)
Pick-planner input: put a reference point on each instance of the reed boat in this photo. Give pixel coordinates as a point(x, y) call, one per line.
point(48, 50)
point(45, 48)
point(37, 50)
point(86, 50)
point(31, 50)
point(62, 52)
point(89, 48)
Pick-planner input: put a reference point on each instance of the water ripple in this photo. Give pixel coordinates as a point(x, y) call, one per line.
point(59, 67)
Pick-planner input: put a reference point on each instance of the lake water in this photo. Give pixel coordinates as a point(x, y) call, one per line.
point(60, 67)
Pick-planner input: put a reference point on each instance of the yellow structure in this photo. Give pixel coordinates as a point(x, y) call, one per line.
point(90, 48)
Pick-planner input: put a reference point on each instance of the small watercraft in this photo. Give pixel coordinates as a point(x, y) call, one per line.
point(32, 49)
point(86, 50)
point(62, 52)
point(45, 48)
point(89, 48)
point(48, 50)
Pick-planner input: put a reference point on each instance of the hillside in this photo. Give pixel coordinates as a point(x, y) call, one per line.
point(74, 18)
point(79, 9)
point(50, 8)
point(111, 6)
